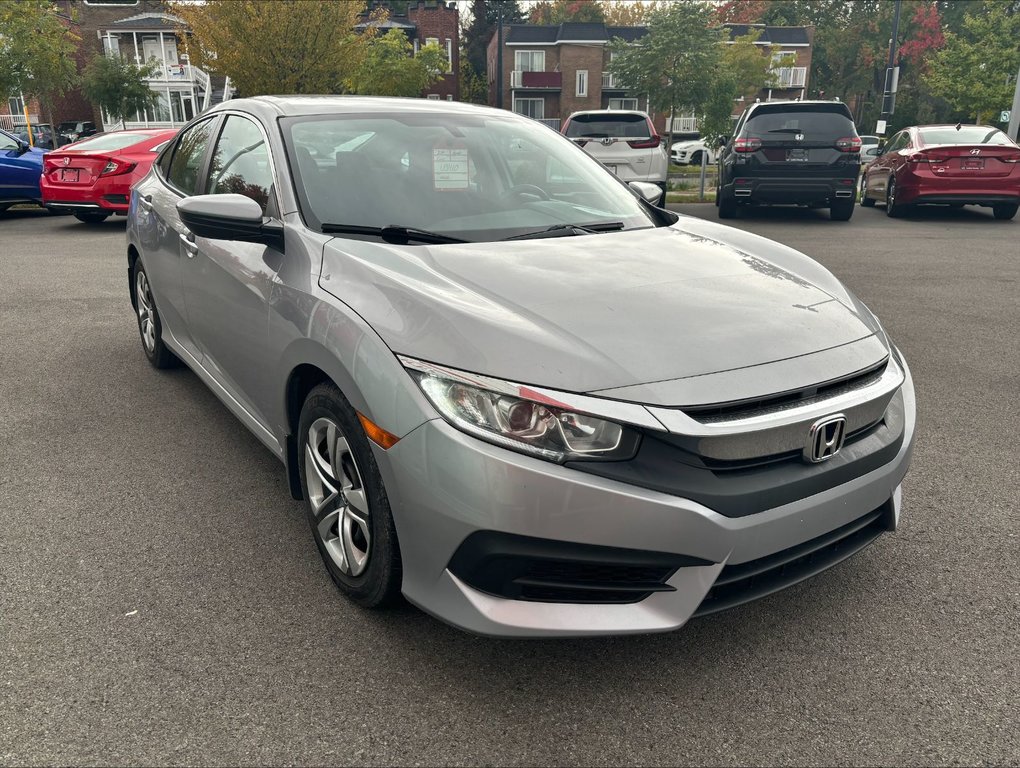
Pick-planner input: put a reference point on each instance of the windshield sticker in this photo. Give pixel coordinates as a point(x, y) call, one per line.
point(450, 169)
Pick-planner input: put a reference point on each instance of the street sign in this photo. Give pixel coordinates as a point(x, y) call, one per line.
point(880, 128)
point(1004, 116)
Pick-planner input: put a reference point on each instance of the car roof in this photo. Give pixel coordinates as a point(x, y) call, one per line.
point(300, 106)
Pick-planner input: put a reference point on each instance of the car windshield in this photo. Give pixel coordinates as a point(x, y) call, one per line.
point(601, 125)
point(469, 177)
point(968, 134)
point(110, 141)
point(814, 120)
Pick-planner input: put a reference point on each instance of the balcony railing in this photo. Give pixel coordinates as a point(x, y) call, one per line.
point(612, 82)
point(685, 125)
point(174, 73)
point(15, 122)
point(524, 79)
point(790, 77)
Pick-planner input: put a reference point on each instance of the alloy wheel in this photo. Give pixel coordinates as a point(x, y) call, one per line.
point(337, 495)
point(146, 320)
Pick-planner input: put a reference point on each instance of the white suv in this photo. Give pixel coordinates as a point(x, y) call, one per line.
point(623, 141)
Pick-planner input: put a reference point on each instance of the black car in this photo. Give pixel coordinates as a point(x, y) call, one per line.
point(75, 130)
point(791, 152)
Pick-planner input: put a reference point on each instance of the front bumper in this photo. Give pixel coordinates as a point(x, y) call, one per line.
point(444, 486)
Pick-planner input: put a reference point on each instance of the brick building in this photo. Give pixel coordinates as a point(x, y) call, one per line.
point(550, 71)
point(424, 22)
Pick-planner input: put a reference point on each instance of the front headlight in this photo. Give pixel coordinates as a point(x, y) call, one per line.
point(502, 413)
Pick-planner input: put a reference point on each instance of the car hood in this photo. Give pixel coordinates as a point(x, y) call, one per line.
point(610, 311)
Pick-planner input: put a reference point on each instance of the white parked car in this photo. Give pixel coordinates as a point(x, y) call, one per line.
point(690, 152)
point(624, 141)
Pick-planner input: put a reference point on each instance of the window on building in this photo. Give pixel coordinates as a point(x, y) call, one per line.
point(529, 61)
point(449, 55)
point(582, 82)
point(16, 104)
point(534, 108)
point(623, 104)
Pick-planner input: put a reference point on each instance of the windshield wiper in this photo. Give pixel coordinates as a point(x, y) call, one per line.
point(391, 234)
point(571, 229)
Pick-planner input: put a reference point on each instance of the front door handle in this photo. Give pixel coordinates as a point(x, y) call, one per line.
point(189, 244)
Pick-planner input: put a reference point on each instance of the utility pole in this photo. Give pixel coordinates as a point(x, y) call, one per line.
point(499, 56)
point(892, 75)
point(1014, 114)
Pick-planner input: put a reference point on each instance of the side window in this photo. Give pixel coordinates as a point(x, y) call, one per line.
point(7, 143)
point(898, 142)
point(187, 157)
point(240, 162)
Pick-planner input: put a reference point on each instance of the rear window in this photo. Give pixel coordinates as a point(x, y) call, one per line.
point(600, 126)
point(817, 120)
point(968, 134)
point(113, 141)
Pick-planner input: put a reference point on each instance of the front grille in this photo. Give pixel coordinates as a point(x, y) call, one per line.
point(754, 579)
point(747, 408)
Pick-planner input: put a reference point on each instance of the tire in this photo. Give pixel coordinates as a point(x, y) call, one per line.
point(150, 328)
point(841, 210)
point(695, 159)
point(892, 208)
point(346, 502)
point(92, 218)
point(867, 202)
point(1005, 211)
point(727, 205)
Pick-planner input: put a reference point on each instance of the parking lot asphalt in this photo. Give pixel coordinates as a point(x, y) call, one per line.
point(162, 602)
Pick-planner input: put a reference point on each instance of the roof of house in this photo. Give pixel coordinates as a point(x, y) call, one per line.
point(149, 21)
point(570, 31)
point(771, 35)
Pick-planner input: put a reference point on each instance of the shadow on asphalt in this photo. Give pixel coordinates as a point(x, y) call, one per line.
point(802, 215)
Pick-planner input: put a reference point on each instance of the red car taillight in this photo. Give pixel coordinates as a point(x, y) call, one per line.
point(746, 145)
point(849, 144)
point(1011, 159)
point(49, 165)
point(654, 141)
point(113, 168)
point(919, 158)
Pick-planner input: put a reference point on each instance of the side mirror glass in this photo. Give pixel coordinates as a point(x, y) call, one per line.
point(230, 217)
point(23, 146)
point(721, 142)
point(649, 192)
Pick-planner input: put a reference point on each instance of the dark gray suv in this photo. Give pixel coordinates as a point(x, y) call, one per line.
point(791, 152)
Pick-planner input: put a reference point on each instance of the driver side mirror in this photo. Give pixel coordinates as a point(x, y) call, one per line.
point(650, 193)
point(721, 142)
point(23, 146)
point(230, 217)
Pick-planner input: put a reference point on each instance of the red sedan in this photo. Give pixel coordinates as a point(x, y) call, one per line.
point(92, 178)
point(945, 165)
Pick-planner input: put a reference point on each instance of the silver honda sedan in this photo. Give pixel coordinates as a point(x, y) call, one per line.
point(505, 385)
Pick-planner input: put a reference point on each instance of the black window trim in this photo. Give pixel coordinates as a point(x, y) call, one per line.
point(203, 165)
point(273, 207)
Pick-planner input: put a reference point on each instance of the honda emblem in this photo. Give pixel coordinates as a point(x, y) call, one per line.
point(825, 438)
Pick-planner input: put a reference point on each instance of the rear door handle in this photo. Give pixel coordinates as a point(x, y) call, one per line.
point(189, 244)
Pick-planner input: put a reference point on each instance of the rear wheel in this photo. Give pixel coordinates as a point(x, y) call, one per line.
point(1005, 211)
point(841, 210)
point(727, 205)
point(893, 209)
point(867, 202)
point(149, 326)
point(92, 218)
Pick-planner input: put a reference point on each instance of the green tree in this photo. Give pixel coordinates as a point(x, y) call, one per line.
point(278, 46)
point(388, 69)
point(559, 11)
point(118, 87)
point(37, 48)
point(674, 62)
point(974, 71)
point(479, 31)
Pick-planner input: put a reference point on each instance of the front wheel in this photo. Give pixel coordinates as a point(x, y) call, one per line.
point(346, 502)
point(1005, 211)
point(867, 202)
point(92, 218)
